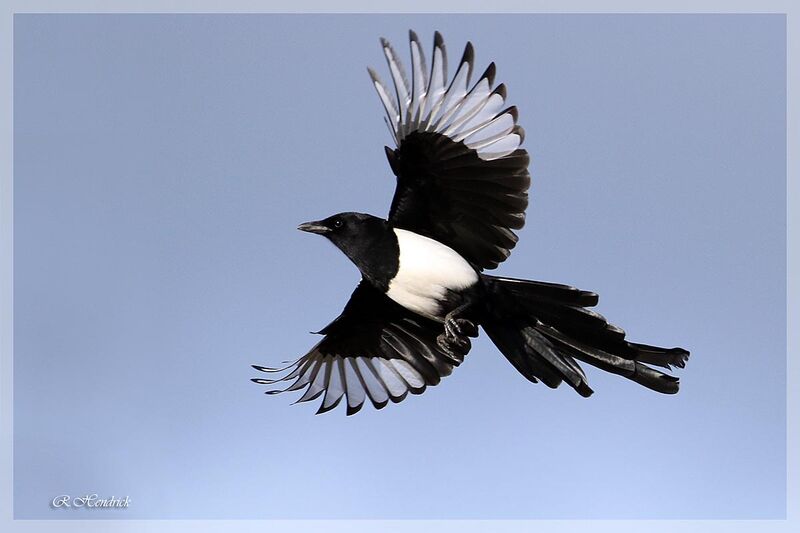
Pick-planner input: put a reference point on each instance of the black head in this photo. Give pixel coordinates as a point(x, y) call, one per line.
point(347, 230)
point(358, 235)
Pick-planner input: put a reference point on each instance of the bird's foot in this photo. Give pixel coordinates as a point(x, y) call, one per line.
point(457, 331)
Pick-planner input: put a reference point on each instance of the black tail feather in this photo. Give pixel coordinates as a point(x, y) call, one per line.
point(535, 357)
point(664, 357)
point(542, 328)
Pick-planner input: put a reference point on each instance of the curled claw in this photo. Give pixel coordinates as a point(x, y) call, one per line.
point(465, 327)
point(460, 327)
point(457, 330)
point(453, 346)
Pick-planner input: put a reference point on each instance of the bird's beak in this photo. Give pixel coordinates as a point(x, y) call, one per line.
point(314, 227)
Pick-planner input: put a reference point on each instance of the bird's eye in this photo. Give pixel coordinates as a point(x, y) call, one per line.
point(338, 223)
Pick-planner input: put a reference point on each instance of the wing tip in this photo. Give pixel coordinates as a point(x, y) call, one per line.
point(322, 409)
point(398, 399)
point(519, 130)
point(307, 398)
point(351, 410)
point(512, 110)
point(489, 73)
point(272, 370)
point(469, 54)
point(373, 75)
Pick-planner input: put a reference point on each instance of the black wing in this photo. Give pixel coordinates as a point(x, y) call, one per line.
point(375, 349)
point(461, 177)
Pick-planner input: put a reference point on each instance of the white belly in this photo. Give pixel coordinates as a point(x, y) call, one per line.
point(428, 272)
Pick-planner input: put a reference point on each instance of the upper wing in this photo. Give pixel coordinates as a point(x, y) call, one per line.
point(375, 349)
point(461, 177)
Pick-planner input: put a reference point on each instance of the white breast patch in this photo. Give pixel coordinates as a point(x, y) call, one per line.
point(428, 271)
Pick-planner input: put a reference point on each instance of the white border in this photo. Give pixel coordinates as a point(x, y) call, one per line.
point(8, 524)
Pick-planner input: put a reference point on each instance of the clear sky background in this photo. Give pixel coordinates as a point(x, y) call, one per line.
point(162, 164)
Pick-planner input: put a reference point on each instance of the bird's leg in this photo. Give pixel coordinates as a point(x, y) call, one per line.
point(457, 331)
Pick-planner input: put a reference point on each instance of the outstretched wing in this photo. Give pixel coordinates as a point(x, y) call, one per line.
point(461, 177)
point(375, 349)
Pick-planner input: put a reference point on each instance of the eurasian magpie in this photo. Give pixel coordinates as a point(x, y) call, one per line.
point(462, 182)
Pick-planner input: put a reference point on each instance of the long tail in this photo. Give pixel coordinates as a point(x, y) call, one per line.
point(542, 328)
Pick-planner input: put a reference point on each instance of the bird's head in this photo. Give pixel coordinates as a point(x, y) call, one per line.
point(353, 233)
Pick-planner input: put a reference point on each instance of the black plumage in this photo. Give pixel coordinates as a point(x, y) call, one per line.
point(446, 192)
point(371, 346)
point(462, 191)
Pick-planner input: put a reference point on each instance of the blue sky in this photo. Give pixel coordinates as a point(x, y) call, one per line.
point(162, 164)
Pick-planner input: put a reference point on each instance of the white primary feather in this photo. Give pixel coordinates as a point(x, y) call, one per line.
point(408, 373)
point(394, 383)
point(436, 84)
point(335, 389)
point(471, 106)
point(355, 390)
point(317, 385)
point(489, 110)
point(305, 378)
point(375, 388)
point(430, 103)
point(419, 83)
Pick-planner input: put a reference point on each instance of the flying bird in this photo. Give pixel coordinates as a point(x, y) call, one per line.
point(462, 182)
